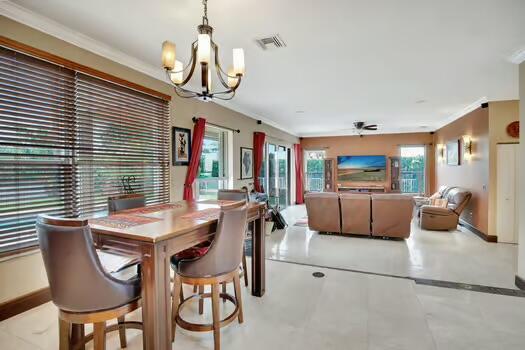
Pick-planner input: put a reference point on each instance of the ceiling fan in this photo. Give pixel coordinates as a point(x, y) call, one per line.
point(362, 126)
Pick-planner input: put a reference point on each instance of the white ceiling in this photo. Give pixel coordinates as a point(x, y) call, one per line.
point(407, 65)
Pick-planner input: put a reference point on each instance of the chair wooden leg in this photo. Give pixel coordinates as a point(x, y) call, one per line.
point(63, 330)
point(76, 340)
point(181, 296)
point(223, 291)
point(122, 331)
point(216, 316)
point(177, 288)
point(238, 297)
point(99, 336)
point(245, 268)
point(201, 300)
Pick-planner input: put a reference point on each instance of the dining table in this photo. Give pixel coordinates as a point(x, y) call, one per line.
point(154, 234)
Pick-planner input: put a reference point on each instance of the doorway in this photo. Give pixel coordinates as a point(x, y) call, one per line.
point(506, 198)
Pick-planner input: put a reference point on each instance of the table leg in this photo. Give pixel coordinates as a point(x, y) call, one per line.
point(156, 318)
point(258, 257)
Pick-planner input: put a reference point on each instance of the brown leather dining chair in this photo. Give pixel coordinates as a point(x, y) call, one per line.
point(237, 195)
point(219, 265)
point(117, 204)
point(80, 287)
point(126, 201)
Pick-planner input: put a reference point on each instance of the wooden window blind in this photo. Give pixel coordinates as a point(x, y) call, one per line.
point(66, 142)
point(120, 134)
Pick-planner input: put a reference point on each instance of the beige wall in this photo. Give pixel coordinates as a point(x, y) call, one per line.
point(501, 114)
point(372, 145)
point(473, 173)
point(25, 274)
point(521, 239)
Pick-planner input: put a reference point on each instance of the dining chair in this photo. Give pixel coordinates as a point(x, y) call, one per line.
point(237, 195)
point(126, 201)
point(80, 287)
point(219, 265)
point(117, 204)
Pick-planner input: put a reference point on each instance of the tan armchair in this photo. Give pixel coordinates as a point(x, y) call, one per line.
point(323, 211)
point(437, 218)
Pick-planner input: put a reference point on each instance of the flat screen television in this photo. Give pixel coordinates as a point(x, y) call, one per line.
point(361, 168)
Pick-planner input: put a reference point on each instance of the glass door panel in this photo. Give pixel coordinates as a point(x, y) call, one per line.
point(273, 194)
point(282, 174)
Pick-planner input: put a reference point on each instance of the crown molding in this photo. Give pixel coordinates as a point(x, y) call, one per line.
point(467, 109)
point(388, 131)
point(234, 107)
point(518, 57)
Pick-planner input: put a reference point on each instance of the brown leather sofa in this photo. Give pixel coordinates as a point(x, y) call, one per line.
point(438, 218)
point(385, 215)
point(323, 210)
point(391, 215)
point(355, 213)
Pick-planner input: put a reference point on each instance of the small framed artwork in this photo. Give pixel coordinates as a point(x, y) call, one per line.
point(453, 152)
point(246, 163)
point(181, 145)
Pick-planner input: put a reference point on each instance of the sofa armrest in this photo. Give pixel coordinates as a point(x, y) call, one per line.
point(430, 209)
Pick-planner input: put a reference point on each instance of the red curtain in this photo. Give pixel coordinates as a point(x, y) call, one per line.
point(298, 152)
point(196, 150)
point(258, 149)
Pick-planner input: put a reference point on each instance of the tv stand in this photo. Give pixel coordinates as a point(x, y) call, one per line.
point(361, 189)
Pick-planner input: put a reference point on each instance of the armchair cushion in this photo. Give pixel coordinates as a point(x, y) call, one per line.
point(431, 209)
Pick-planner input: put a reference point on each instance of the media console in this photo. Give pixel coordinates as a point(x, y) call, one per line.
point(373, 189)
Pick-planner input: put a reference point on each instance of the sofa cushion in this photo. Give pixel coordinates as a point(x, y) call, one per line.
point(355, 213)
point(323, 211)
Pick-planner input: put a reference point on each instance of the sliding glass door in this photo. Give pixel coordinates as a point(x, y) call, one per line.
point(413, 162)
point(277, 179)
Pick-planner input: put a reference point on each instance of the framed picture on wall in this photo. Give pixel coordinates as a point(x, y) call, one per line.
point(181, 145)
point(453, 152)
point(246, 163)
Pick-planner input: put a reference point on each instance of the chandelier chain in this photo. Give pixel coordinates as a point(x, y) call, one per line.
point(205, 17)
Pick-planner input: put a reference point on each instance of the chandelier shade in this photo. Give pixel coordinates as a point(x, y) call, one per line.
point(204, 52)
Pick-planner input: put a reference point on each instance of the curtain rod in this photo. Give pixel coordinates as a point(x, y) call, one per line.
point(194, 119)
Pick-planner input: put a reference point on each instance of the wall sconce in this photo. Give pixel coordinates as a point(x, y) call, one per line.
point(467, 146)
point(441, 152)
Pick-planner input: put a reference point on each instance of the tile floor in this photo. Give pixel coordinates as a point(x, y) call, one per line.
point(347, 310)
point(458, 256)
point(343, 310)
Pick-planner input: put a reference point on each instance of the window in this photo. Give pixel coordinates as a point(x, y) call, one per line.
point(413, 160)
point(314, 170)
point(214, 167)
point(66, 142)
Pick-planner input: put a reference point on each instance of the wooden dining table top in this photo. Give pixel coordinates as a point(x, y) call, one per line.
point(160, 222)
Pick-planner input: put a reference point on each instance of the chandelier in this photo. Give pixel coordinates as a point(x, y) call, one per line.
point(201, 52)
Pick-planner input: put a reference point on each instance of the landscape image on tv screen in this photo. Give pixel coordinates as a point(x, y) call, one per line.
point(361, 168)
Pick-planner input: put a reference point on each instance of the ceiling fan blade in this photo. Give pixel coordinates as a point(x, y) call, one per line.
point(370, 127)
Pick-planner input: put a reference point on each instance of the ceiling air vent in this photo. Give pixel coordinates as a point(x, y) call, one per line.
point(271, 42)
